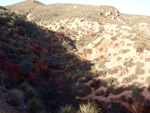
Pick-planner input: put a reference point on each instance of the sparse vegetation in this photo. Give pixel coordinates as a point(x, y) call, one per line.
point(95, 83)
point(129, 79)
point(15, 97)
point(140, 64)
point(119, 58)
point(108, 91)
point(136, 93)
point(139, 46)
point(139, 71)
point(89, 108)
point(118, 90)
point(45, 70)
point(148, 80)
point(129, 44)
point(36, 106)
point(67, 109)
point(123, 51)
point(102, 62)
point(82, 90)
point(129, 63)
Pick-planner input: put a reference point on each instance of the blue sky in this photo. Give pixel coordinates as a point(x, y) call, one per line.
point(125, 6)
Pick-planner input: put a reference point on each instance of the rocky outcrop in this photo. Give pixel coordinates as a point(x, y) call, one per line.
point(109, 12)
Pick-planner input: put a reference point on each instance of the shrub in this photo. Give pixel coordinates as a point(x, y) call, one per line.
point(118, 58)
point(101, 92)
point(31, 92)
point(136, 93)
point(123, 98)
point(140, 46)
point(148, 80)
point(21, 80)
point(139, 71)
point(108, 91)
point(102, 63)
point(95, 83)
point(112, 71)
point(90, 107)
point(67, 109)
point(148, 88)
point(129, 44)
point(82, 90)
point(130, 100)
point(140, 64)
point(14, 98)
point(118, 90)
point(123, 51)
point(104, 83)
point(129, 79)
point(35, 106)
point(2, 77)
point(128, 64)
point(116, 107)
point(111, 81)
point(26, 69)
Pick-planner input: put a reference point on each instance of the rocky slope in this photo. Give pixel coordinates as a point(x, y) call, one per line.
point(30, 66)
point(112, 48)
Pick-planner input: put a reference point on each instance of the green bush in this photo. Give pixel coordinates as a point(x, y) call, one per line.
point(35, 106)
point(136, 93)
point(27, 68)
point(128, 63)
point(108, 91)
point(21, 80)
point(112, 81)
point(148, 88)
point(148, 80)
point(67, 109)
point(2, 77)
point(139, 46)
point(123, 51)
point(129, 79)
point(15, 97)
point(95, 83)
point(82, 90)
point(139, 71)
point(90, 107)
point(118, 90)
point(31, 92)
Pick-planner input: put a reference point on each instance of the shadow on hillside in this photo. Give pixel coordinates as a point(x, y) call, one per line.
point(77, 80)
point(70, 76)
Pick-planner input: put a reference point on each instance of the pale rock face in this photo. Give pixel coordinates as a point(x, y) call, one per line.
point(108, 13)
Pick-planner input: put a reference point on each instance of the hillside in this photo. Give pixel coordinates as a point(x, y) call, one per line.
point(30, 66)
point(99, 53)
